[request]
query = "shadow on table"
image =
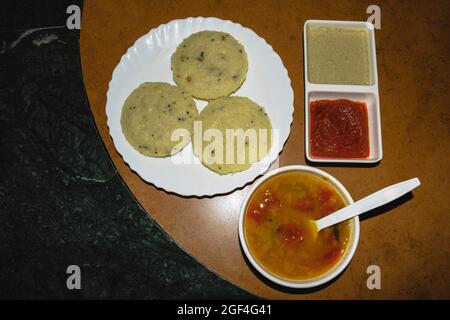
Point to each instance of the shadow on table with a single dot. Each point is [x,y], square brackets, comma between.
[387,207]
[340,165]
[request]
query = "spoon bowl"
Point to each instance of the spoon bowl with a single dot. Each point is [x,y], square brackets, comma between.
[326,276]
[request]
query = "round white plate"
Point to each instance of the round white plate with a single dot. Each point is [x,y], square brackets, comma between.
[267,84]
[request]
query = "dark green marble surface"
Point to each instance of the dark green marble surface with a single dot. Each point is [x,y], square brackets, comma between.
[61,200]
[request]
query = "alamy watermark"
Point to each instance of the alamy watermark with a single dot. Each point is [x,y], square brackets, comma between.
[234,146]
[374,280]
[375,17]
[74,20]
[74,279]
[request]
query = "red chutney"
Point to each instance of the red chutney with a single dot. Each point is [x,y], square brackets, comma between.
[339,129]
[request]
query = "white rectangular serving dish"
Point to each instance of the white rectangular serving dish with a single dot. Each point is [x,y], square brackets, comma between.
[364,93]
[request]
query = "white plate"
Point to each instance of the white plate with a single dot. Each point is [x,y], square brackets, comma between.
[267,83]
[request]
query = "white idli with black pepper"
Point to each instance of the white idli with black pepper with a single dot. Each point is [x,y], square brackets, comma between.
[151,113]
[209,64]
[233,114]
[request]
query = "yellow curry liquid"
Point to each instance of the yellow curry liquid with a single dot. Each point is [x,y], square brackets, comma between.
[277,230]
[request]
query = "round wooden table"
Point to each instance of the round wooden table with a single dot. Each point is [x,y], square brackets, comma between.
[411,242]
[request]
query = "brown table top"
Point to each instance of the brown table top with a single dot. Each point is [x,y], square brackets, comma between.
[411,242]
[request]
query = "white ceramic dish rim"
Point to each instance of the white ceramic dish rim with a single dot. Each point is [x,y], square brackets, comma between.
[331,88]
[226,184]
[332,273]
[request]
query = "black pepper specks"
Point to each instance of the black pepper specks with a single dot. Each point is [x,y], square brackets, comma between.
[201,57]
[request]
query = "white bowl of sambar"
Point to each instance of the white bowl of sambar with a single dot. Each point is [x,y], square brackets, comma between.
[276,235]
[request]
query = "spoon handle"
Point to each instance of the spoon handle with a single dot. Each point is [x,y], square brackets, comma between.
[368,203]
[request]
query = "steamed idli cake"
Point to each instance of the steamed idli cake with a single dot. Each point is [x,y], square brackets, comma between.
[233,113]
[151,113]
[209,65]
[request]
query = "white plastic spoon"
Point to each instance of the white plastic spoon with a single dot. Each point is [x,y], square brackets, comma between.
[368,203]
